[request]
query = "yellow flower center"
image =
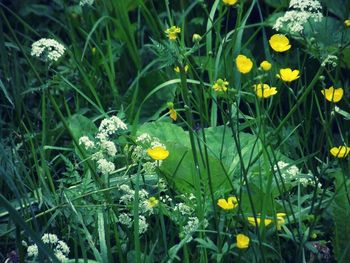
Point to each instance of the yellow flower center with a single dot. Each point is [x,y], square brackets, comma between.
[172,32]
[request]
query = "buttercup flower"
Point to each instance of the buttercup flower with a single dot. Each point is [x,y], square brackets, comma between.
[231,203]
[242,241]
[177,69]
[244,64]
[172,32]
[340,152]
[158,153]
[347,22]
[279,43]
[229,2]
[264,90]
[220,85]
[172,112]
[251,221]
[152,201]
[280,220]
[288,75]
[333,94]
[265,65]
[196,38]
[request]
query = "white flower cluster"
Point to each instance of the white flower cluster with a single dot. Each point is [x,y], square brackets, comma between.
[183,209]
[103,150]
[291,173]
[331,60]
[86,142]
[145,208]
[47,49]
[86,2]
[110,126]
[192,226]
[60,248]
[105,167]
[299,13]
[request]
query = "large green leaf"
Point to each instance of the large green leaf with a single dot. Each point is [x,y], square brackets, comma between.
[341,215]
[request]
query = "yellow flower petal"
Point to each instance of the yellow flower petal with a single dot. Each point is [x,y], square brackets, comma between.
[332,94]
[288,75]
[244,64]
[172,32]
[229,2]
[251,221]
[340,152]
[265,65]
[242,241]
[173,114]
[220,85]
[347,22]
[279,43]
[228,204]
[158,153]
[264,90]
[152,201]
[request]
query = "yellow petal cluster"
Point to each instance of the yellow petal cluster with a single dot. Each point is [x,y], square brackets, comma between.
[177,69]
[158,153]
[228,204]
[173,114]
[333,94]
[347,22]
[152,201]
[172,32]
[244,64]
[242,241]
[264,90]
[220,85]
[229,2]
[279,43]
[340,152]
[288,75]
[251,221]
[265,65]
[280,220]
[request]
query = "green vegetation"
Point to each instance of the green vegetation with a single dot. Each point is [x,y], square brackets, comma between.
[174,131]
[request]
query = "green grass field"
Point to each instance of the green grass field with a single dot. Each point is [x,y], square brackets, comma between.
[174,131]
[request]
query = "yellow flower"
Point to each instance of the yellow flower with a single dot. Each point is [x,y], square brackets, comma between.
[177,69]
[264,90]
[172,32]
[220,85]
[340,152]
[333,94]
[152,201]
[279,43]
[288,75]
[229,2]
[196,38]
[347,22]
[244,64]
[231,203]
[280,220]
[173,114]
[158,153]
[265,65]
[251,221]
[242,241]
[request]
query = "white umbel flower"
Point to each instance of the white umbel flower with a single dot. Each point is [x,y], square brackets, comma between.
[109,148]
[86,2]
[47,49]
[300,12]
[49,238]
[143,225]
[105,167]
[32,251]
[86,142]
